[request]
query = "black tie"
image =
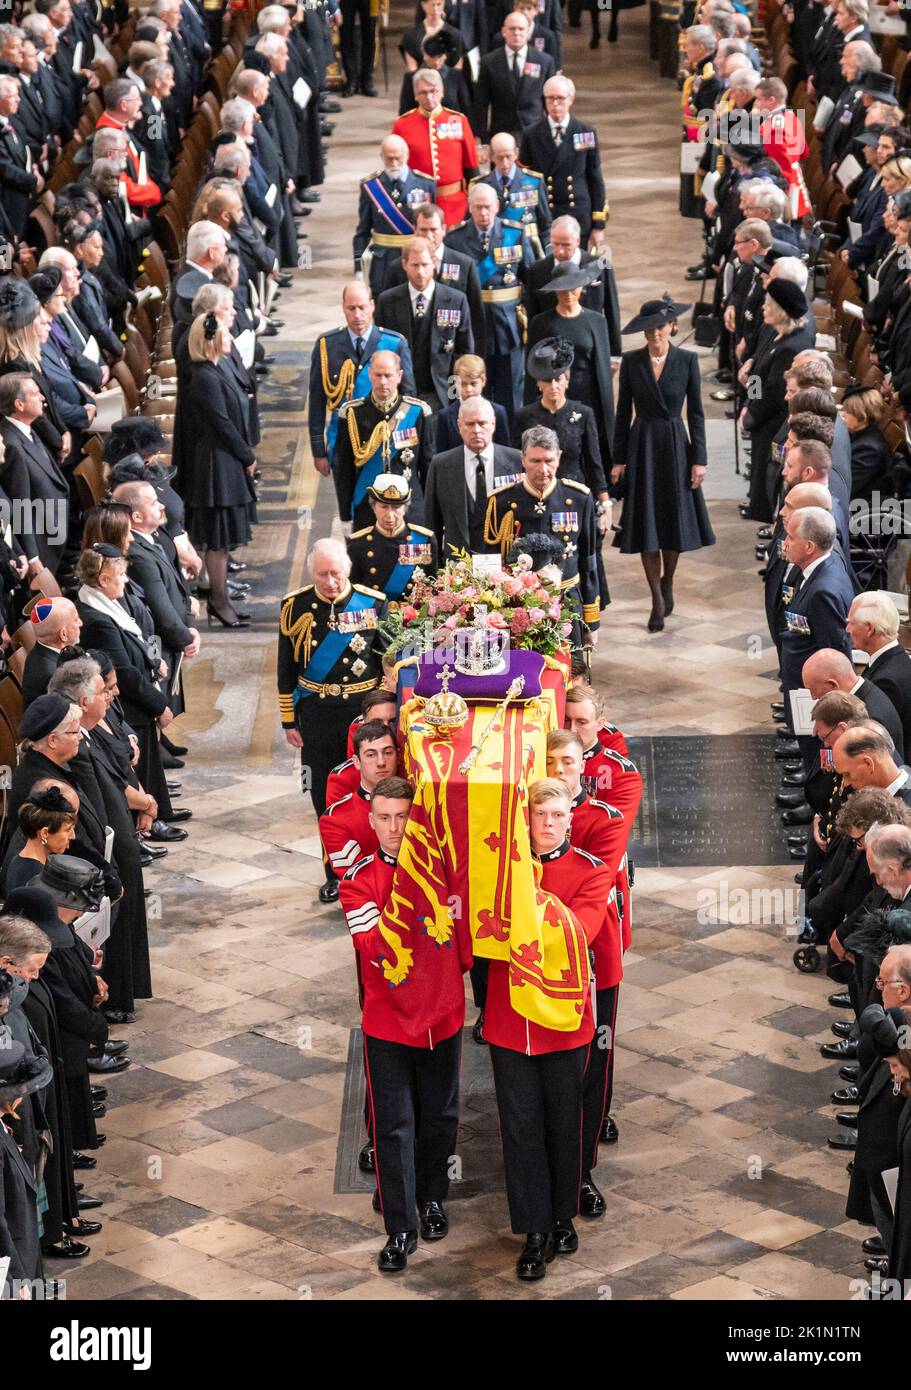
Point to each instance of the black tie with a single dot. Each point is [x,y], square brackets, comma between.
[480,494]
[515,69]
[359,348]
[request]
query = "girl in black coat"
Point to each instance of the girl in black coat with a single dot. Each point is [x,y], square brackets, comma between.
[660,461]
[218,486]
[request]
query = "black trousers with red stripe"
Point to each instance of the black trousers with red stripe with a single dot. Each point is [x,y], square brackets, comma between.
[599,1075]
[540,1104]
[414,1101]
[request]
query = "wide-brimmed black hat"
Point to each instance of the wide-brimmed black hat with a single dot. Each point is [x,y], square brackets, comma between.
[71,882]
[45,283]
[880,85]
[747,151]
[550,358]
[655,313]
[139,434]
[20,1073]
[869,135]
[18,304]
[568,276]
[789,297]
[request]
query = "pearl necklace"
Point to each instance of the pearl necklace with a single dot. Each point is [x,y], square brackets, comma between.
[657,361]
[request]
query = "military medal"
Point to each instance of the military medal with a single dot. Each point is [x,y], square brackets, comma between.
[407,456]
[358,667]
[357,643]
[509,278]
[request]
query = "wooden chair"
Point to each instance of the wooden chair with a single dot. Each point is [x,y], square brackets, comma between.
[15,665]
[90,481]
[24,637]
[11,709]
[121,373]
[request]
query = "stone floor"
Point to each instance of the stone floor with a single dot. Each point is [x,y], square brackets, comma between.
[221,1170]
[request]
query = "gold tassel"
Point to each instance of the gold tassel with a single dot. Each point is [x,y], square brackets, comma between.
[342,388]
[300,634]
[380,435]
[501,535]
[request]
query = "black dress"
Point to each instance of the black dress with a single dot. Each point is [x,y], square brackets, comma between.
[412,40]
[660,509]
[590,377]
[19,872]
[217,489]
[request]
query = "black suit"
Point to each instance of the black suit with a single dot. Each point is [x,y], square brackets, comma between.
[18,1215]
[880,707]
[441,343]
[447,502]
[166,596]
[31,476]
[459,272]
[16,180]
[891,672]
[512,106]
[40,665]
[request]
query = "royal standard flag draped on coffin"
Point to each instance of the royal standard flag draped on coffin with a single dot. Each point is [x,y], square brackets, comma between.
[466,869]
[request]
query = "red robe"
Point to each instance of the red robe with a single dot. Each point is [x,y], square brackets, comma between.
[140,196]
[344,779]
[582,884]
[345,831]
[442,148]
[364,892]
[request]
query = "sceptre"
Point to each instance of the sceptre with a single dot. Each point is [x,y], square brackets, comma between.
[515,689]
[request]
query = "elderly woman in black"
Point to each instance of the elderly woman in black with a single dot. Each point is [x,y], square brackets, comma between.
[590,373]
[218,486]
[660,461]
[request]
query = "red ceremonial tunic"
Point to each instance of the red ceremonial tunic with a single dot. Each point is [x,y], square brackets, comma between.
[601,830]
[783,140]
[345,831]
[345,778]
[364,892]
[609,736]
[582,884]
[442,148]
[140,196]
[613,778]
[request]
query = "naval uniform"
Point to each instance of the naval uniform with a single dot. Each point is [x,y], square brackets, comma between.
[412,1079]
[385,221]
[565,510]
[523,198]
[340,372]
[374,439]
[571,170]
[326,661]
[392,563]
[538,1072]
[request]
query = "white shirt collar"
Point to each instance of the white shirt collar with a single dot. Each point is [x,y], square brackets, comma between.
[556,125]
[202,270]
[856,686]
[471,463]
[897,782]
[428,294]
[886,648]
[815,566]
[20,425]
[513,54]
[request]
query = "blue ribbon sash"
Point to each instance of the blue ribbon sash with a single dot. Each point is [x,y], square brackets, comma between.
[334,644]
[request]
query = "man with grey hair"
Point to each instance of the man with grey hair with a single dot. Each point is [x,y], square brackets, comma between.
[460,481]
[544,504]
[565,150]
[207,246]
[441,141]
[18,181]
[872,627]
[328,657]
[818,610]
[388,203]
[846,120]
[566,249]
[503,257]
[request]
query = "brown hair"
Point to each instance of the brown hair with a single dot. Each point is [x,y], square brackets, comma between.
[548,789]
[563,738]
[90,564]
[108,523]
[838,707]
[871,806]
[868,406]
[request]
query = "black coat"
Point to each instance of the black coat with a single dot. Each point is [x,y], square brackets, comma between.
[767,410]
[143,700]
[40,665]
[69,976]
[572,171]
[877,1142]
[18,1215]
[30,475]
[217,476]
[511,106]
[871,462]
[590,377]
[459,272]
[39,1009]
[660,509]
[393,310]
[900,1254]
[891,672]
[881,708]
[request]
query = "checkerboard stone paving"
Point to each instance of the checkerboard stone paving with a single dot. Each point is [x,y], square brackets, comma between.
[228,1161]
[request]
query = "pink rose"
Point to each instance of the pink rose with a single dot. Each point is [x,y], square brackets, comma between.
[567,629]
[496,619]
[469,593]
[530,581]
[554,609]
[451,622]
[536,615]
[512,585]
[409,613]
[518,622]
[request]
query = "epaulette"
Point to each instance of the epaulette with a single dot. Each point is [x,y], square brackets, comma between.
[422,530]
[534,172]
[368,177]
[590,857]
[415,400]
[340,767]
[294,592]
[619,758]
[346,405]
[330,810]
[458,227]
[356,535]
[359,865]
[570,482]
[374,593]
[593,801]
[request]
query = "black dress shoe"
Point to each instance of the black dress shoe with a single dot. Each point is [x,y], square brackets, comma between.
[791,799]
[849,1073]
[702,273]
[839,1050]
[369,90]
[846,1140]
[66,1249]
[366,1159]
[84,1161]
[161,831]
[99,1092]
[177,750]
[394,1255]
[789,766]
[801,814]
[609,1131]
[847,1118]
[797,852]
[787,748]
[82,1228]
[794,779]
[776,718]
[171,761]
[99,1110]
[100,1141]
[566,1242]
[798,837]
[433,1221]
[536,1255]
[148,855]
[873,1245]
[591,1200]
[118,1016]
[849,1166]
[777,707]
[89,1203]
[329,106]
[115,1047]
[840,1001]
[842,1028]
[310,196]
[846,1095]
[764,533]
[178,813]
[329,891]
[877,1266]
[724,375]
[108,1065]
[173,787]
[782,733]
[477,1032]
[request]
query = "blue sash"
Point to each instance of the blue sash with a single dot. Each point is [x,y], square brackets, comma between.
[401,575]
[388,342]
[374,466]
[385,205]
[488,268]
[331,648]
